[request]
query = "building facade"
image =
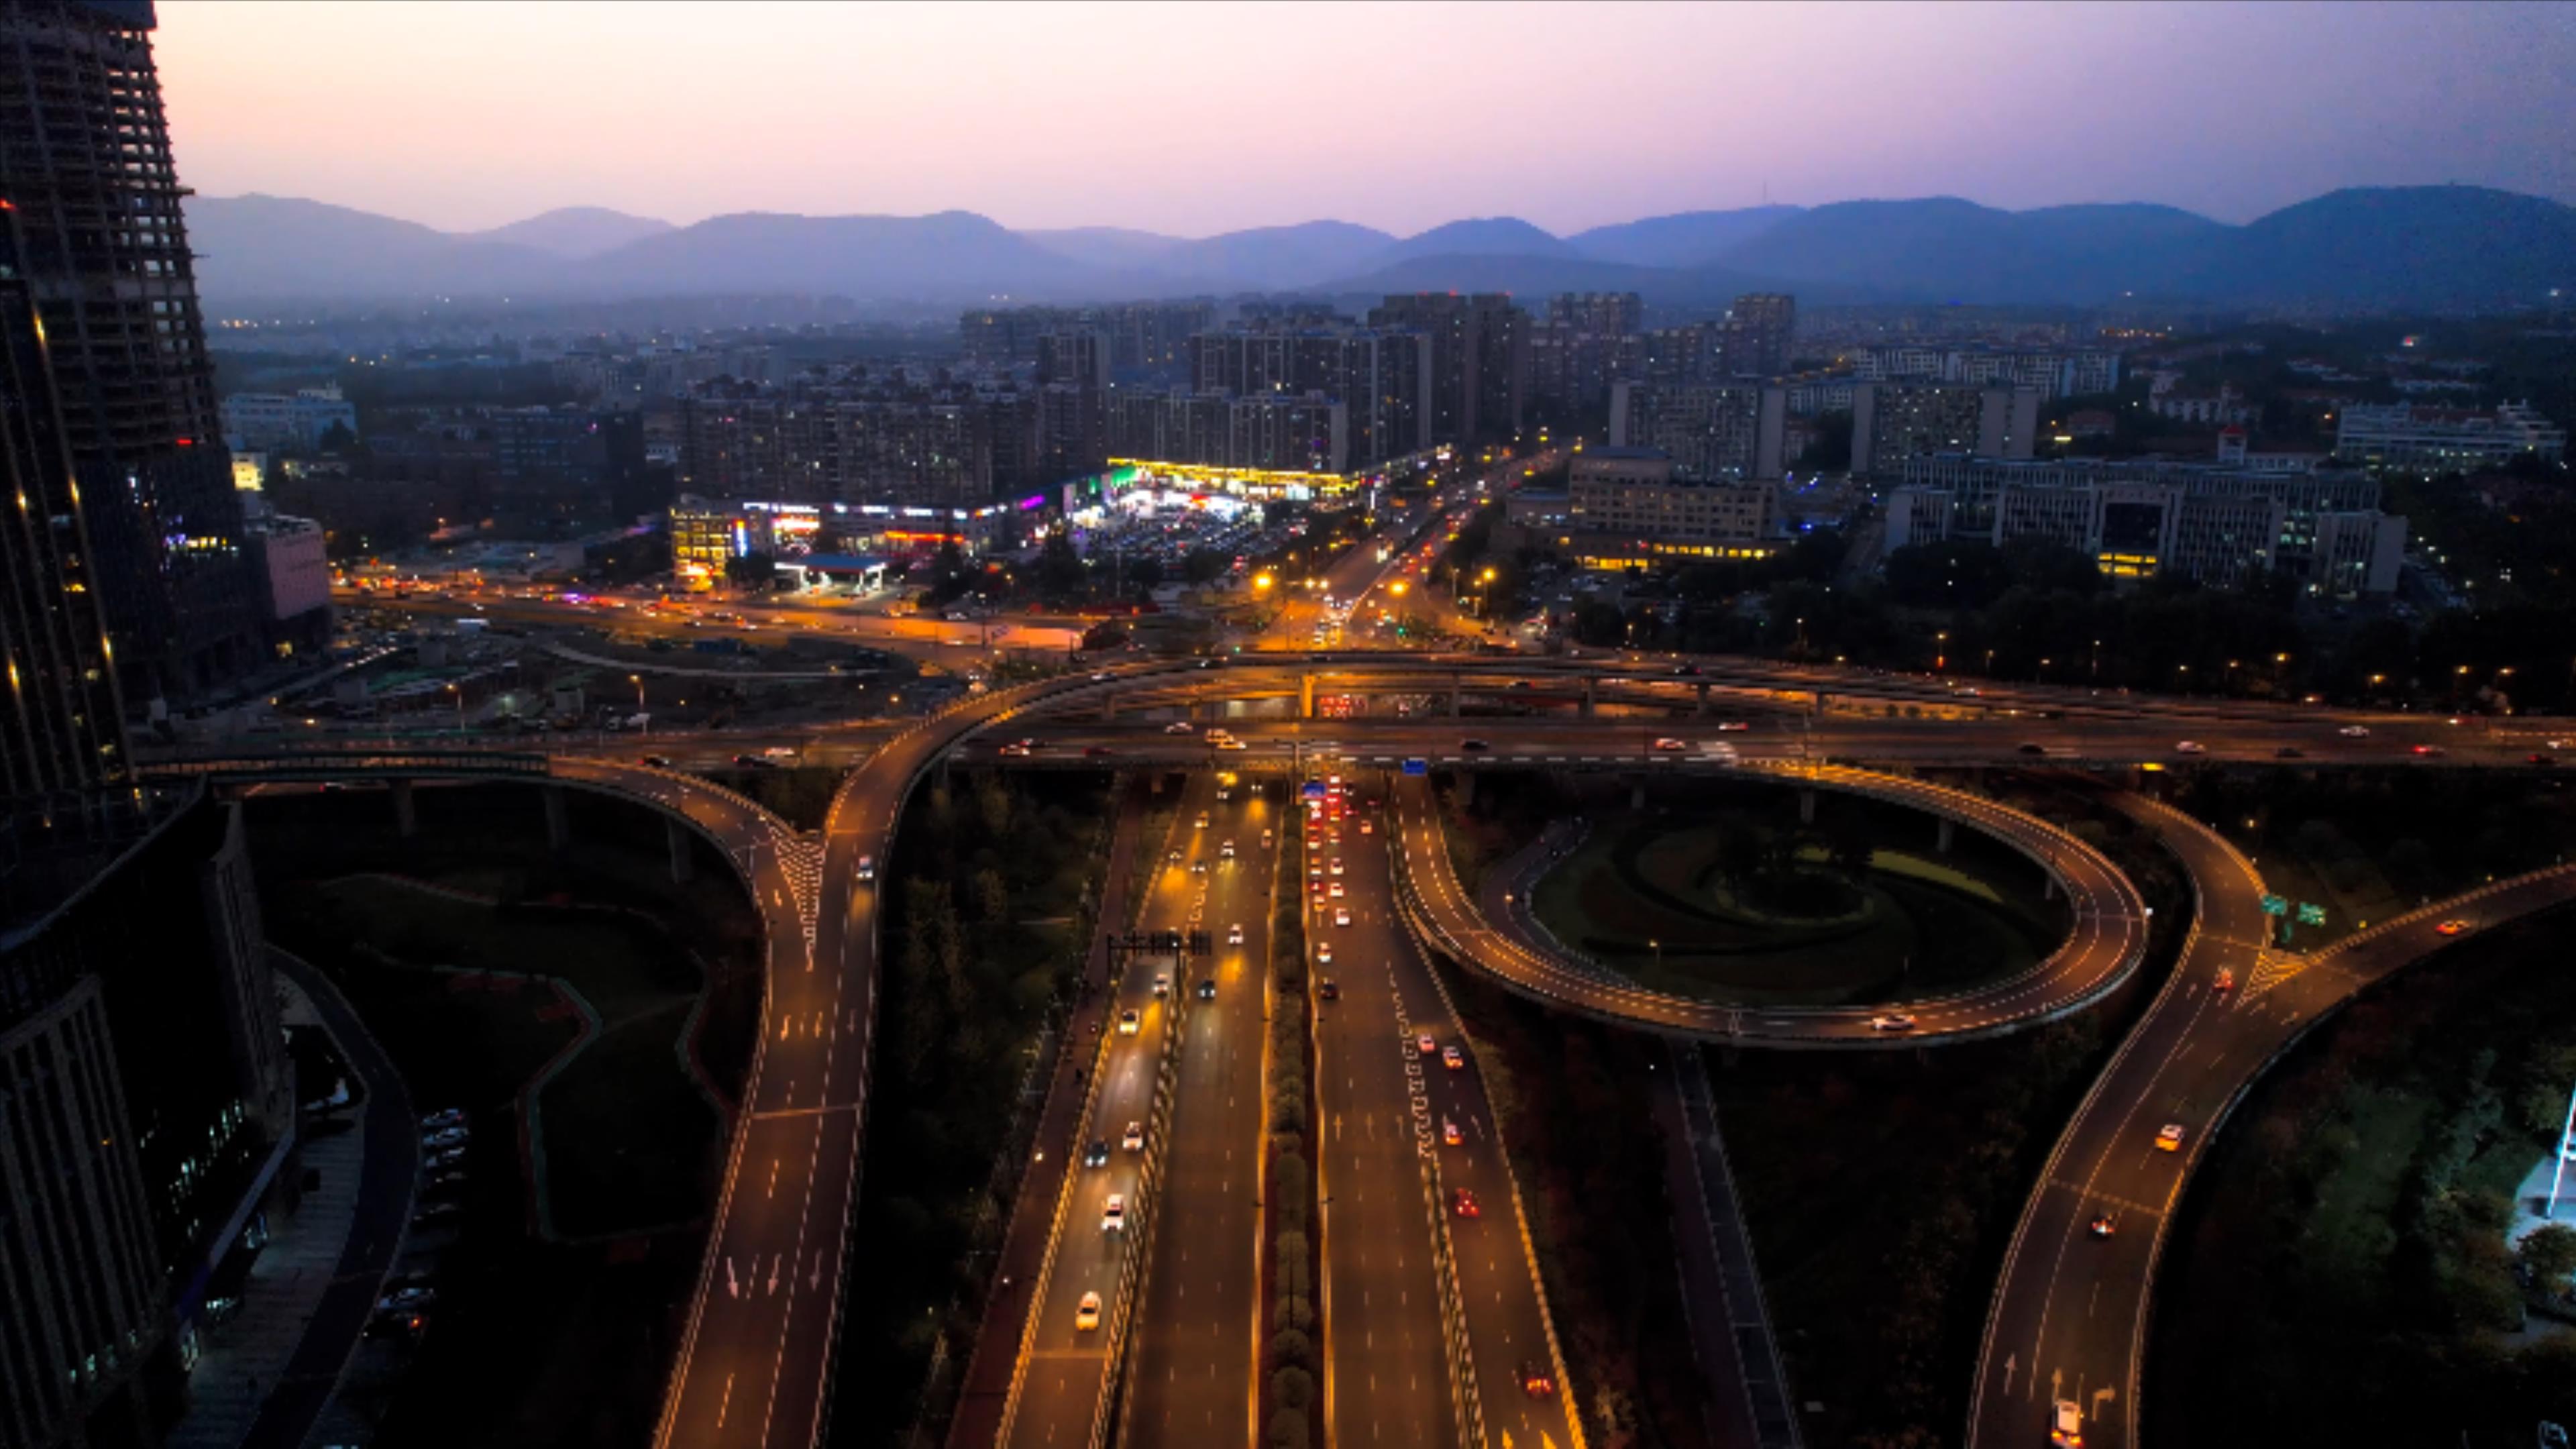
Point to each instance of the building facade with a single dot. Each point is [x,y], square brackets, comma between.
[2434,439]
[86,167]
[1710,431]
[1479,358]
[300,419]
[1894,421]
[1381,376]
[1267,432]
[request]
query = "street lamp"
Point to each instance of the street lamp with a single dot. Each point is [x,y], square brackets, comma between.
[638,681]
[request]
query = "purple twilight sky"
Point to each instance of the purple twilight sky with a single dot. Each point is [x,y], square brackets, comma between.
[1198,119]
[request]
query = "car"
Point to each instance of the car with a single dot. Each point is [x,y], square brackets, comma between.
[406,1298]
[1129,1023]
[2355,732]
[2066,1424]
[1670,745]
[1207,988]
[445,1137]
[1323,953]
[1134,1138]
[1452,1058]
[2169,1137]
[1098,752]
[1198,867]
[755,762]
[1463,1203]
[2452,927]
[1894,1021]
[1234,934]
[1427,1045]
[1201,823]
[1086,1314]
[1162,984]
[2540,759]
[2428,751]
[1328,989]
[1232,744]
[1537,1382]
[1016,751]
[443,1117]
[659,762]
[1314,869]
[1367,829]
[1179,727]
[1097,1154]
[1337,890]
[1172,857]
[1337,865]
[1341,918]
[2027,748]
[2224,981]
[2103,1225]
[1473,745]
[1113,1213]
[437,1160]
[1449,1132]
[1733,726]
[779,752]
[867,867]
[2190,747]
[1266,839]
[437,1212]
[1100,676]
[2289,752]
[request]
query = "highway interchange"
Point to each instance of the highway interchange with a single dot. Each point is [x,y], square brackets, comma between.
[755,1365]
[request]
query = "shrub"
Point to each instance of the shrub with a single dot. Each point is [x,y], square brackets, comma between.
[1290,1348]
[1292,1388]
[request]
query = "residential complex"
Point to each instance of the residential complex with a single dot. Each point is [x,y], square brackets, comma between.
[1895,421]
[2213,522]
[2055,372]
[1382,377]
[300,419]
[1709,431]
[2436,439]
[1480,360]
[1266,432]
[1625,508]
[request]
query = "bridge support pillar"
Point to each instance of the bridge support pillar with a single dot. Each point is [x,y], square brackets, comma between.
[1466,788]
[1305,696]
[1591,694]
[1108,705]
[683,858]
[1806,807]
[2048,885]
[1948,833]
[1457,694]
[406,819]
[558,823]
[1637,796]
[1701,689]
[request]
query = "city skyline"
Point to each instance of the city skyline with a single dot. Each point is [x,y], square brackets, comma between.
[2199,107]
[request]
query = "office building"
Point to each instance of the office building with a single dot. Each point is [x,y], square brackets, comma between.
[1480,359]
[62,723]
[1626,508]
[146,1105]
[1142,335]
[2056,372]
[86,168]
[1710,431]
[2141,518]
[1894,421]
[2437,440]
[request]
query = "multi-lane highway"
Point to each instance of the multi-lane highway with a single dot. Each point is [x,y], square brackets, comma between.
[2106,941]
[2069,1317]
[1199,1328]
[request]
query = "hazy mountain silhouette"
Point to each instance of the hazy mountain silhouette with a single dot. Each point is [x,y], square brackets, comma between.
[1685,239]
[2442,246]
[574,231]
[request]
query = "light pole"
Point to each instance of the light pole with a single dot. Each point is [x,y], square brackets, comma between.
[638,681]
[460,707]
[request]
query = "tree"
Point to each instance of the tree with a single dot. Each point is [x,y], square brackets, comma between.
[751,571]
[337,438]
[1830,451]
[2550,1253]
[1060,573]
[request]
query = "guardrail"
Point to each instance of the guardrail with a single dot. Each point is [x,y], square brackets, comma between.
[1137,1261]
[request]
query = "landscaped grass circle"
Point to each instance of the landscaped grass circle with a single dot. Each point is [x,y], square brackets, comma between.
[1728,896]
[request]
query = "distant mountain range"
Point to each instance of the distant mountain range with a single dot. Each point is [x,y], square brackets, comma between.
[2431,247]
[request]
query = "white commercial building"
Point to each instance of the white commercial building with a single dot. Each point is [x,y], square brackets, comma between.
[2433,439]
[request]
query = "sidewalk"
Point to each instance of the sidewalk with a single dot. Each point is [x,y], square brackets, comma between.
[986,1387]
[241,1360]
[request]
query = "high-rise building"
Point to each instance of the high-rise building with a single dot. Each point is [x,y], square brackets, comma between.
[1076,355]
[1710,431]
[2433,439]
[1480,358]
[85,164]
[1382,376]
[1266,432]
[62,727]
[1894,421]
[1753,341]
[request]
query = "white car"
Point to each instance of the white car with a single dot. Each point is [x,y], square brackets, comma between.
[2355,732]
[2190,747]
[1134,1140]
[1337,865]
[1113,1214]
[1177,727]
[1129,1023]
[1337,890]
[1341,918]
[1234,934]
[1897,1022]
[1323,953]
